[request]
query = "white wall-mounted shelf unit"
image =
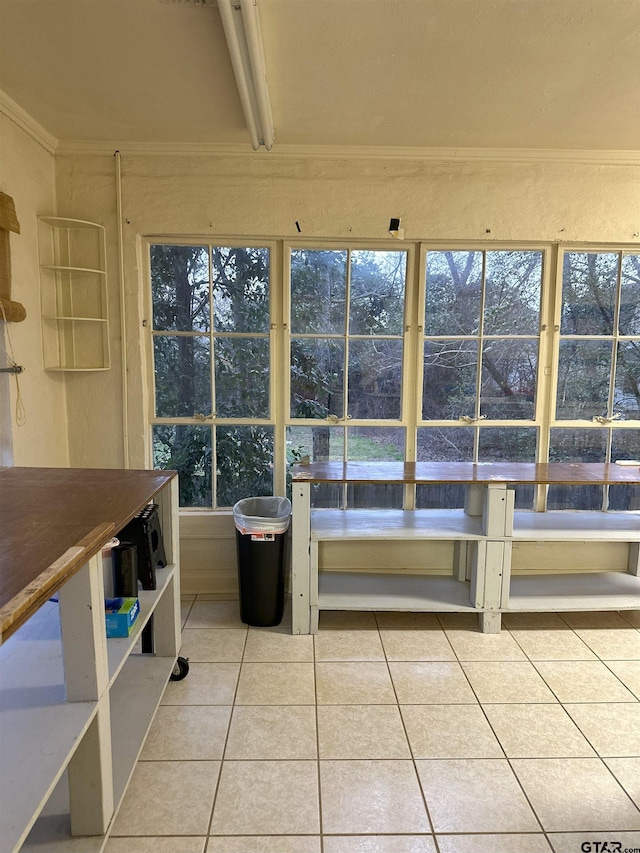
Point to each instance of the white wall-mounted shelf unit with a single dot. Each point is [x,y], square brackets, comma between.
[73,294]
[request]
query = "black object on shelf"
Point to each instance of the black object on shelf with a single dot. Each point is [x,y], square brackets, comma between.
[145,533]
[125,570]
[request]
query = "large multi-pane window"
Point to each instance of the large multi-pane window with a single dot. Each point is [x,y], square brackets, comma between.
[481,341]
[340,352]
[212,366]
[347,316]
[598,373]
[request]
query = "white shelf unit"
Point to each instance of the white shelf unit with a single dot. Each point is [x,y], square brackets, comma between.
[73,294]
[56,748]
[398,587]
[462,582]
[485,536]
[590,589]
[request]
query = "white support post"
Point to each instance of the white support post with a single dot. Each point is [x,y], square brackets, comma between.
[300,558]
[91,780]
[496,593]
[634,559]
[86,673]
[169,522]
[474,499]
[494,510]
[460,551]
[314,617]
[166,623]
[509,509]
[84,633]
[490,581]
[477,573]
[490,622]
[167,620]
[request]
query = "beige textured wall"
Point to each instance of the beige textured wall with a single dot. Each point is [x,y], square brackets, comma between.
[27,175]
[263,195]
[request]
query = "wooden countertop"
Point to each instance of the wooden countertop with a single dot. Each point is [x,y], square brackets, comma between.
[570,473]
[52,520]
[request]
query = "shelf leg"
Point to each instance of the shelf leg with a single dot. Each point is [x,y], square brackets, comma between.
[634,559]
[490,621]
[495,510]
[84,634]
[314,620]
[166,623]
[474,499]
[460,552]
[300,559]
[91,777]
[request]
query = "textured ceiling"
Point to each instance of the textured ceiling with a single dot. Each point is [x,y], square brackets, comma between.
[544,74]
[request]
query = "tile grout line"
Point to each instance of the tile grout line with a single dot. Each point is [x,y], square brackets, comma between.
[226,741]
[404,728]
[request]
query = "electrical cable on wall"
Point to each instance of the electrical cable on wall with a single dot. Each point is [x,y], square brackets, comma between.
[16,369]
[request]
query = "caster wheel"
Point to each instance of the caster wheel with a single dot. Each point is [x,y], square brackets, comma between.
[180,669]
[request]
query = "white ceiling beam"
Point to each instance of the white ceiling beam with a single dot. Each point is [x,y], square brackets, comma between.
[244,39]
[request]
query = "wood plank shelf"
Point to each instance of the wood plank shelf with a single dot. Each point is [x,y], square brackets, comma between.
[375,591]
[327,524]
[584,526]
[572,592]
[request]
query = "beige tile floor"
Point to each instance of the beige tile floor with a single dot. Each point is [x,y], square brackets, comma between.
[393,733]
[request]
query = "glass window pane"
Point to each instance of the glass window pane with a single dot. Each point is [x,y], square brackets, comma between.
[625,445]
[375,444]
[589,284]
[437,444]
[445,444]
[453,287]
[180,288]
[320,444]
[626,393]
[242,377]
[583,379]
[377,293]
[317,378]
[186,449]
[509,370]
[630,296]
[375,378]
[244,463]
[507,444]
[512,293]
[510,444]
[577,445]
[240,289]
[182,375]
[318,291]
[449,379]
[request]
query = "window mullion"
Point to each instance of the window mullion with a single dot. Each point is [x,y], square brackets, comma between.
[212,349]
[347,315]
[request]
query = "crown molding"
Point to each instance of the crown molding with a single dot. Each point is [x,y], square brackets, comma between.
[21,118]
[361,152]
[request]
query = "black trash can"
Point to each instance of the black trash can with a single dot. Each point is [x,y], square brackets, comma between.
[261,538]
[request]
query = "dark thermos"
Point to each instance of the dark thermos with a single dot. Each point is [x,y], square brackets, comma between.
[125,570]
